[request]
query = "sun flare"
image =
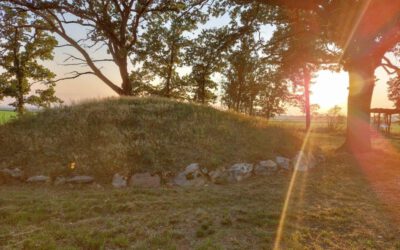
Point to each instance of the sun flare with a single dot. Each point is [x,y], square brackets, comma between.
[330,89]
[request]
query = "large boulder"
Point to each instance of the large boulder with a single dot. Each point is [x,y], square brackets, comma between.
[283,162]
[265,167]
[145,180]
[239,171]
[80,179]
[191,176]
[119,181]
[38,179]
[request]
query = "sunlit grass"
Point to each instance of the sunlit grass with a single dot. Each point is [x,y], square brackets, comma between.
[333,206]
[6,116]
[289,194]
[137,135]
[338,205]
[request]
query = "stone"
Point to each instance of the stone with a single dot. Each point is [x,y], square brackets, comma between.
[7,179]
[218,176]
[240,171]
[265,167]
[283,162]
[303,161]
[194,167]
[38,179]
[80,179]
[145,180]
[119,181]
[182,181]
[15,173]
[191,176]
[60,181]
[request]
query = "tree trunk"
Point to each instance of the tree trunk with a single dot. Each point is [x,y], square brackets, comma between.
[170,71]
[127,89]
[307,79]
[19,75]
[203,93]
[361,87]
[167,92]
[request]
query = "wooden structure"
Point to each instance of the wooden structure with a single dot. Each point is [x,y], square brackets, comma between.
[382,119]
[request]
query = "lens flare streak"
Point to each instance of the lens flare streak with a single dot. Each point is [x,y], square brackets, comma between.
[289,192]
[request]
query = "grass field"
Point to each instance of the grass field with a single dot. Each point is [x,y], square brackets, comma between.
[344,203]
[339,205]
[6,116]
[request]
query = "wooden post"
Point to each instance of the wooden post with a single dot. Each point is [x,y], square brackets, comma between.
[379,122]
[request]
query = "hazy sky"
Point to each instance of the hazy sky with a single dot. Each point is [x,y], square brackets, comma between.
[329,89]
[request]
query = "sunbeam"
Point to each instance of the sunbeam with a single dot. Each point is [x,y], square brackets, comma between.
[289,192]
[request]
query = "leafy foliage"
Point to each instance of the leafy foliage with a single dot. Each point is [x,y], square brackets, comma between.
[394,91]
[205,58]
[21,48]
[251,86]
[334,118]
[163,46]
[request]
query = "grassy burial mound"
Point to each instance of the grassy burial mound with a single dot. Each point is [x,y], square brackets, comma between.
[127,135]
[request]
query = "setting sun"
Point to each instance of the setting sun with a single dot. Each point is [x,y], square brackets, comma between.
[330,89]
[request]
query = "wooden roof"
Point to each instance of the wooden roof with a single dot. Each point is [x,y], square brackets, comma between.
[385,111]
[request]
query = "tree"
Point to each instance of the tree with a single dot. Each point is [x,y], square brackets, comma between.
[204,56]
[364,35]
[251,86]
[314,109]
[21,47]
[394,81]
[334,118]
[274,94]
[117,25]
[163,51]
[363,32]
[394,91]
[298,50]
[242,84]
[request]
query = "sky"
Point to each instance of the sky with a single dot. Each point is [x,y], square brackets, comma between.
[329,89]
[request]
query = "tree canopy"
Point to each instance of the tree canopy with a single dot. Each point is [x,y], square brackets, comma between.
[21,46]
[151,41]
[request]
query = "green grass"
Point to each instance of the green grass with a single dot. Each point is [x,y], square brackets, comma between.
[332,207]
[6,116]
[344,203]
[133,135]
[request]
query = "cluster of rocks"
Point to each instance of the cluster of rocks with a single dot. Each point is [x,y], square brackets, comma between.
[145,180]
[17,174]
[193,175]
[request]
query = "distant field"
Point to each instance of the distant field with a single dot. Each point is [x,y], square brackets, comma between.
[6,115]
